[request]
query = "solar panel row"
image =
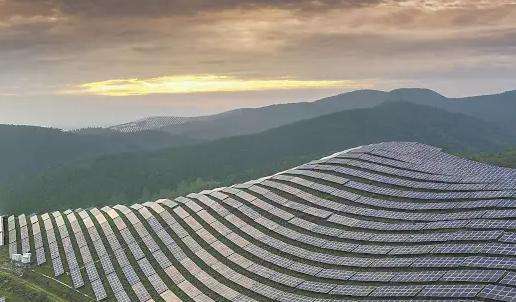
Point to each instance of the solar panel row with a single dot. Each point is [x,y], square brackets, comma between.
[395,221]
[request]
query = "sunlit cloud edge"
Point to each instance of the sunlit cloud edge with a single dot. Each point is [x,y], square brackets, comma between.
[208,83]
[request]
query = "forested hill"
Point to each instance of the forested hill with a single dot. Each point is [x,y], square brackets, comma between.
[496,108]
[26,149]
[142,175]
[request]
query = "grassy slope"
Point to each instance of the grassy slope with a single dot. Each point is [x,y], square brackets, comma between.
[129,177]
[33,286]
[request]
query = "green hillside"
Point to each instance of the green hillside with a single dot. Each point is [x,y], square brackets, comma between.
[141,175]
[25,149]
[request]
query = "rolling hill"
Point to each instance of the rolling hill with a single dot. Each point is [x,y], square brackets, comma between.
[170,172]
[394,221]
[497,108]
[25,150]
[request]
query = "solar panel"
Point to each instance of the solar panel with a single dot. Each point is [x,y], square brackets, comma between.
[509,279]
[490,262]
[498,292]
[313,286]
[417,276]
[450,291]
[40,256]
[189,289]
[142,293]
[473,276]
[146,267]
[118,290]
[390,221]
[157,283]
[58,266]
[438,262]
[77,280]
[353,290]
[98,290]
[396,291]
[91,271]
[372,276]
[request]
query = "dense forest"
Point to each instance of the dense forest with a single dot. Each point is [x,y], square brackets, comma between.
[129,177]
[27,149]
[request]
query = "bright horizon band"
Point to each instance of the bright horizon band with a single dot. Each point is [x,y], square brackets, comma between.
[202,83]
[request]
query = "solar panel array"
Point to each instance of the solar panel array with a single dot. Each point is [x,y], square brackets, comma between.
[1,230]
[156,123]
[391,221]
[12,233]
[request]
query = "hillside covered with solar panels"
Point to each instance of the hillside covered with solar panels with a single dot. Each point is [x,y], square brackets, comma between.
[389,221]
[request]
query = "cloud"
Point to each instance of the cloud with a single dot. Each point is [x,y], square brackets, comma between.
[161,8]
[58,43]
[164,8]
[202,84]
[437,5]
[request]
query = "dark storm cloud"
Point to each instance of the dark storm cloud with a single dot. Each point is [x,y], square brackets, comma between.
[177,7]
[161,8]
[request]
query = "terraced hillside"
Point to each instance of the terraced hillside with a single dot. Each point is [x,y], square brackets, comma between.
[391,221]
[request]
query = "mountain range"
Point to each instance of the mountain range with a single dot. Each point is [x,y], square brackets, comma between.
[497,108]
[169,156]
[167,172]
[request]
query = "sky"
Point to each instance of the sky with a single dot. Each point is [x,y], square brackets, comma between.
[78,63]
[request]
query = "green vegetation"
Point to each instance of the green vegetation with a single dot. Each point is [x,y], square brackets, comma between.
[44,169]
[130,177]
[14,288]
[32,285]
[506,158]
[25,150]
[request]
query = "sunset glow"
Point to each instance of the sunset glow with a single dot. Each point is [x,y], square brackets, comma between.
[73,60]
[202,83]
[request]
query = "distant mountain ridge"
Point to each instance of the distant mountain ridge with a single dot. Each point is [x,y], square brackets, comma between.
[131,176]
[496,108]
